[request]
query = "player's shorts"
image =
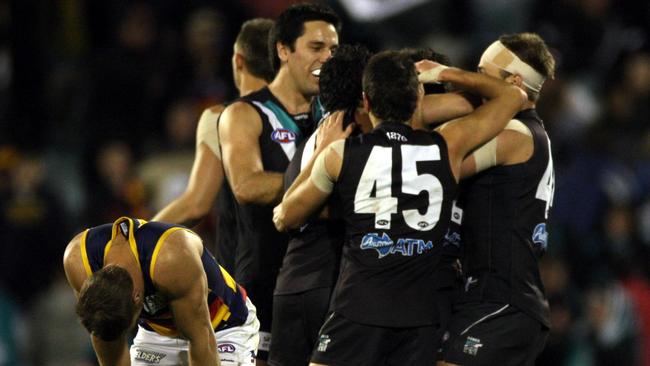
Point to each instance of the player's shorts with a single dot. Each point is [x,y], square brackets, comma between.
[297,319]
[237,346]
[342,342]
[493,334]
[262,295]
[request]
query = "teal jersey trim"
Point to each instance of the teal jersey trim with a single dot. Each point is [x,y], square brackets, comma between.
[285,119]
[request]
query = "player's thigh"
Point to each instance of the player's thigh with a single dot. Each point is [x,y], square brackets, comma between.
[489,334]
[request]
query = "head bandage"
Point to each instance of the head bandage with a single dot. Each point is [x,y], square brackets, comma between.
[498,55]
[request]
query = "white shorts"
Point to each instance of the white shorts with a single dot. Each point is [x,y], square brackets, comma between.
[237,346]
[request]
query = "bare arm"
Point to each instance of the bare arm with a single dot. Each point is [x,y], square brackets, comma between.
[239,130]
[329,131]
[466,133]
[204,184]
[179,274]
[438,108]
[113,353]
[508,148]
[297,206]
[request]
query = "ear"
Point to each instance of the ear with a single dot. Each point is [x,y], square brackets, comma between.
[283,51]
[239,61]
[515,79]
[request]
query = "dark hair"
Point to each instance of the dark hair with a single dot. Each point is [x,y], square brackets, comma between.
[340,78]
[391,86]
[105,306]
[531,49]
[427,53]
[252,41]
[290,26]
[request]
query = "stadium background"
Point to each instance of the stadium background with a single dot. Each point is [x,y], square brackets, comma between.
[99,102]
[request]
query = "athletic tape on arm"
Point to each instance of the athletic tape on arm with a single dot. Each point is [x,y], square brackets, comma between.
[206,132]
[319,175]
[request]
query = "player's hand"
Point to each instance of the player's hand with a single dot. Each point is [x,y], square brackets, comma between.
[277,218]
[332,129]
[429,71]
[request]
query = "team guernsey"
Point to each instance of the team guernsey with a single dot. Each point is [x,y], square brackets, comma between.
[226,300]
[396,213]
[503,233]
[313,252]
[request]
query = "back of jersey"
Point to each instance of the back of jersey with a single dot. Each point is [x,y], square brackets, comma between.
[396,188]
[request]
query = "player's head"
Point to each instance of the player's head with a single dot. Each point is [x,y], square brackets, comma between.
[340,80]
[302,39]
[427,53]
[391,90]
[251,50]
[106,305]
[522,59]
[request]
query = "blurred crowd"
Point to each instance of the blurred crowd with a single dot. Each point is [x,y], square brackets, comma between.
[99,103]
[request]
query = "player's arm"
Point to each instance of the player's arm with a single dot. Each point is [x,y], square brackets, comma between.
[329,131]
[437,108]
[113,353]
[513,145]
[310,194]
[239,129]
[466,133]
[179,274]
[205,179]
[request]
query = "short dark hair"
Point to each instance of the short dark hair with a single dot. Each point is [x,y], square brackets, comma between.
[105,306]
[531,49]
[290,26]
[427,53]
[391,86]
[340,78]
[252,41]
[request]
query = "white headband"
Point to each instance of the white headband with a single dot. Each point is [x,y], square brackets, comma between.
[531,78]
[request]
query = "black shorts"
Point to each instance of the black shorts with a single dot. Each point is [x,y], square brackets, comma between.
[261,296]
[297,318]
[342,342]
[493,334]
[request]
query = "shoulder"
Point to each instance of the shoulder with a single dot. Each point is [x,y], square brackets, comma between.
[178,258]
[237,112]
[73,262]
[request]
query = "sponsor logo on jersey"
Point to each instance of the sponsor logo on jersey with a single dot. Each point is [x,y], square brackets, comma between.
[283,136]
[154,303]
[384,245]
[226,348]
[148,356]
[451,238]
[472,345]
[540,236]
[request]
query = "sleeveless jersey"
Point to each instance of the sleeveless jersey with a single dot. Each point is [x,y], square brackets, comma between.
[503,231]
[226,300]
[260,246]
[396,189]
[313,253]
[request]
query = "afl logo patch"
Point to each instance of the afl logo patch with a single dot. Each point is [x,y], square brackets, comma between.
[283,136]
[226,348]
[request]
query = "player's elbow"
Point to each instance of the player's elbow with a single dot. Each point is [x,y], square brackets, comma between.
[243,195]
[517,95]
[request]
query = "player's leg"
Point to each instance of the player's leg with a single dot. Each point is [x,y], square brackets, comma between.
[237,346]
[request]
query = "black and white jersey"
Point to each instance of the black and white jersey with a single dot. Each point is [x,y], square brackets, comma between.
[396,189]
[260,247]
[503,233]
[314,251]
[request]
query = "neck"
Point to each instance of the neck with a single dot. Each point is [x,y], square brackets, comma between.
[250,83]
[285,90]
[528,105]
[120,254]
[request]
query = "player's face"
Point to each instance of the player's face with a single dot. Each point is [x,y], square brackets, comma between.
[490,70]
[311,50]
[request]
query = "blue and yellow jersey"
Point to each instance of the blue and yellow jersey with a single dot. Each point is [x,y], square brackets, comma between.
[226,299]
